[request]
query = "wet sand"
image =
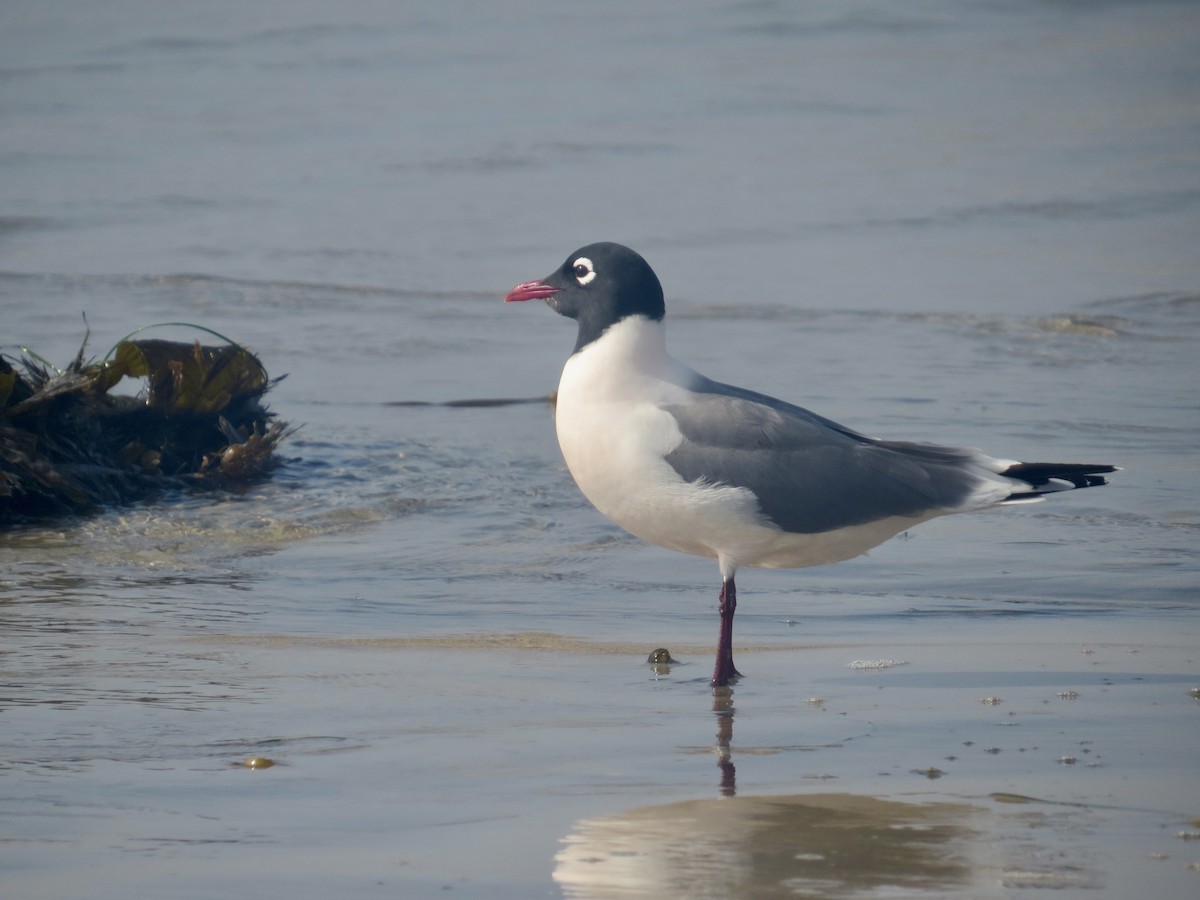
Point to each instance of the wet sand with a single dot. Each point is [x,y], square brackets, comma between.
[982,764]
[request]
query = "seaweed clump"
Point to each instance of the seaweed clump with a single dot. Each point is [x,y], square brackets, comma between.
[68,445]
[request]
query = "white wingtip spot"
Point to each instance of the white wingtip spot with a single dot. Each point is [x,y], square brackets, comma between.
[1058,484]
[999,466]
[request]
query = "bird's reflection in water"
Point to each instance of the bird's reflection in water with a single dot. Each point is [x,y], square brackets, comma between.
[723,710]
[660,662]
[825,845]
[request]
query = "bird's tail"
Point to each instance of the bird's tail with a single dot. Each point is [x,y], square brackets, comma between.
[1047,478]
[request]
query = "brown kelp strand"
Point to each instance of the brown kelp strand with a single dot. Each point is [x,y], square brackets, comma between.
[70,445]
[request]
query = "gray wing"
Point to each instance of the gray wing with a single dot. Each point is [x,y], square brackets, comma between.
[809,473]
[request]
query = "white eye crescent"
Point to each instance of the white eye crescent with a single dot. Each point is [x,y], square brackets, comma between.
[583,270]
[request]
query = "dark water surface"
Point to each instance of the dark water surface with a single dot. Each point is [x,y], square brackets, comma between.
[972,223]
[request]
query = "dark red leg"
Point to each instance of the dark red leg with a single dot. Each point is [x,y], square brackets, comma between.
[724,669]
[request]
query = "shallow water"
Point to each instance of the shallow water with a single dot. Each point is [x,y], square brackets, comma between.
[973,225]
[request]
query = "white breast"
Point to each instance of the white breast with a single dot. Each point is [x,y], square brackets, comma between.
[614,435]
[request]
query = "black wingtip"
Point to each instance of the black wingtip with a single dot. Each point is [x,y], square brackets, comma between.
[1081,475]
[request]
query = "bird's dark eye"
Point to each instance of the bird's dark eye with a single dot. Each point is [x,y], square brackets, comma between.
[583,270]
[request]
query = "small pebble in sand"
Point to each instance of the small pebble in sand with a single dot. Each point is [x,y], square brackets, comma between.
[258,762]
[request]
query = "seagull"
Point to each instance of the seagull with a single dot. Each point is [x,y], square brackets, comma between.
[706,468]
